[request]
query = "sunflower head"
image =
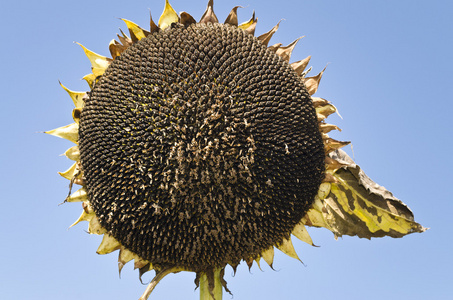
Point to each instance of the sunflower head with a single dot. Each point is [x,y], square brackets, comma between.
[199,146]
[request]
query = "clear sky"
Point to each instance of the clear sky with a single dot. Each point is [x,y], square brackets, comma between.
[389,74]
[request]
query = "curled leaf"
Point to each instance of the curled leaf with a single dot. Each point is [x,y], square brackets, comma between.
[358,206]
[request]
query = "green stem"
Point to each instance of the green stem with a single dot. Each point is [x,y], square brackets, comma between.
[204,286]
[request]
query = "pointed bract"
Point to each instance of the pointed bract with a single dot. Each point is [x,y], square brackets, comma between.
[78,196]
[73,153]
[186,19]
[301,233]
[325,128]
[152,26]
[331,144]
[287,247]
[209,15]
[98,62]
[124,39]
[232,18]
[90,79]
[312,83]
[124,257]
[116,48]
[168,16]
[266,37]
[94,227]
[323,111]
[285,52]
[84,217]
[137,33]
[268,256]
[299,66]
[274,47]
[70,173]
[77,97]
[69,132]
[108,245]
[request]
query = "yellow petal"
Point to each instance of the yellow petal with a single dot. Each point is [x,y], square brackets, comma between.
[251,28]
[78,196]
[287,247]
[247,24]
[168,16]
[73,153]
[97,61]
[301,233]
[90,78]
[285,52]
[69,132]
[108,245]
[84,217]
[95,227]
[71,172]
[77,97]
[124,257]
[137,33]
[268,256]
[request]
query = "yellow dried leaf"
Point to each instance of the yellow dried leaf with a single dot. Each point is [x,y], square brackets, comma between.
[357,206]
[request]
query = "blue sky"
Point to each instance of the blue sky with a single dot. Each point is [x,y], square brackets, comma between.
[389,74]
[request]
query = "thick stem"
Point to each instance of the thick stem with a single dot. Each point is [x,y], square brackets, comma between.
[205,292]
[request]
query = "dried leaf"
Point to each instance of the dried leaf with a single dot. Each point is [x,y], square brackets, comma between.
[357,206]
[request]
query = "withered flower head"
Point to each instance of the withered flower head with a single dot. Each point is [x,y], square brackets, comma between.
[199,146]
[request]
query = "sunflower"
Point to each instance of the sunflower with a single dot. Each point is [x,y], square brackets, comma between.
[199,146]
